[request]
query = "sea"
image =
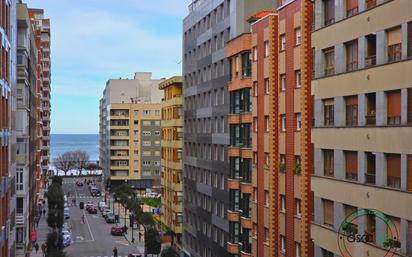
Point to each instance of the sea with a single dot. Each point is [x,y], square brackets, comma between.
[61,143]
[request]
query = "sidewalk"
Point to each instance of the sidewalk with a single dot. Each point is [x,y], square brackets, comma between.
[42,231]
[138,244]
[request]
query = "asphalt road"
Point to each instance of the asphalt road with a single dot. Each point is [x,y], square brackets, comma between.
[93,238]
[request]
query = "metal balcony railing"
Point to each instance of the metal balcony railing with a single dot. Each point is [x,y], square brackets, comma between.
[370,178]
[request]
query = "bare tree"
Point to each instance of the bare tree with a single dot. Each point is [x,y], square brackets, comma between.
[65,162]
[92,167]
[82,160]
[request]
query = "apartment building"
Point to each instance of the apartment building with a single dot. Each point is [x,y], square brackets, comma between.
[207,28]
[8,140]
[171,153]
[42,34]
[362,135]
[26,126]
[130,132]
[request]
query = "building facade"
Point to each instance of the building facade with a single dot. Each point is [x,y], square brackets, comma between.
[8,140]
[42,34]
[240,149]
[362,135]
[26,126]
[172,162]
[207,28]
[130,132]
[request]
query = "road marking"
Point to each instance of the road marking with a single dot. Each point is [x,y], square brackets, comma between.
[88,225]
[80,238]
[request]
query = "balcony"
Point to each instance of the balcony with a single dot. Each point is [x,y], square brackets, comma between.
[370,178]
[232,248]
[394,182]
[370,61]
[370,119]
[370,4]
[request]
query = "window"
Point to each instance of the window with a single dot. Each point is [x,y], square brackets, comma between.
[236,66]
[136,113]
[266,44]
[352,55]
[394,107]
[329,57]
[393,164]
[255,53]
[282,203]
[409,39]
[157,112]
[157,133]
[283,119]
[246,65]
[298,79]
[328,112]
[297,207]
[255,88]
[146,163]
[147,123]
[282,42]
[329,11]
[297,36]
[283,82]
[147,133]
[351,7]
[267,86]
[351,165]
[298,122]
[298,249]
[327,212]
[267,123]
[326,253]
[283,244]
[351,110]
[328,163]
[267,198]
[146,112]
[147,143]
[394,44]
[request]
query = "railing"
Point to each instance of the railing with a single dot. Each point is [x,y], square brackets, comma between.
[351,66]
[351,176]
[329,70]
[370,61]
[370,4]
[394,120]
[352,12]
[370,178]
[394,182]
[330,21]
[370,119]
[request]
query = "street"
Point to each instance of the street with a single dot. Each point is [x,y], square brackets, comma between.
[92,239]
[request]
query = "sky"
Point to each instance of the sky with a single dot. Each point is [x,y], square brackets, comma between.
[95,40]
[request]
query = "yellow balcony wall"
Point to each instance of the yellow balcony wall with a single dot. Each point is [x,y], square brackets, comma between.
[172,123]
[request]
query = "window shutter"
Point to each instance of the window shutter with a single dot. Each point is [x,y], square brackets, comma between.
[328,212]
[329,10]
[394,103]
[351,100]
[394,36]
[352,162]
[351,4]
[393,162]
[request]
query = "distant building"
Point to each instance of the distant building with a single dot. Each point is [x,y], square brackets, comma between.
[172,144]
[130,132]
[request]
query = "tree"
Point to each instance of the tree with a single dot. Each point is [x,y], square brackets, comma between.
[169,252]
[91,166]
[81,160]
[65,162]
[55,198]
[152,241]
[55,245]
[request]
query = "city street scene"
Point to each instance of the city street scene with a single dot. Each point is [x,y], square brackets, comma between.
[206,128]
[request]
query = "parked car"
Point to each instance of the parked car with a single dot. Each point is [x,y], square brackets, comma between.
[88,205]
[66,213]
[79,183]
[105,211]
[92,210]
[110,217]
[66,227]
[67,240]
[101,204]
[134,255]
[116,231]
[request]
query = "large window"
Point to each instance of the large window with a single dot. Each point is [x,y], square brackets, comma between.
[409,39]
[329,10]
[328,112]
[394,107]
[351,55]
[394,44]
[240,101]
[351,110]
[240,135]
[393,164]
[328,163]
[327,213]
[246,65]
[329,57]
[351,165]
